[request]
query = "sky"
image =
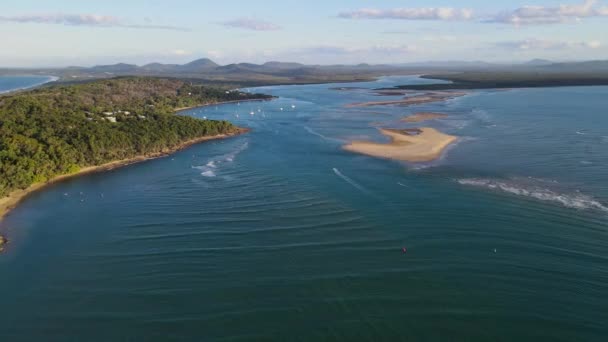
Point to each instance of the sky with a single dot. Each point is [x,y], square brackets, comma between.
[38,33]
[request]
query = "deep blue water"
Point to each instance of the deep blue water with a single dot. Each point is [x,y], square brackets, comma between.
[281,235]
[8,83]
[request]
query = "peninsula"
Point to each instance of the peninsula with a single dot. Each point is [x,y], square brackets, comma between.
[55,132]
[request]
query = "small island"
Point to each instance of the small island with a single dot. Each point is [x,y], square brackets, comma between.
[411,145]
[55,132]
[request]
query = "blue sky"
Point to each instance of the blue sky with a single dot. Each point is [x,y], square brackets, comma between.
[73,32]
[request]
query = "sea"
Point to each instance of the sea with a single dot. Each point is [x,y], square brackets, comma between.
[12,83]
[281,235]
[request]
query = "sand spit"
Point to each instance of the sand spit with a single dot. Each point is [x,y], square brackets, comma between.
[412,145]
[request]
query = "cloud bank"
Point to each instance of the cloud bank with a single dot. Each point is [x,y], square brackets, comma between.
[537,15]
[91,20]
[526,15]
[428,13]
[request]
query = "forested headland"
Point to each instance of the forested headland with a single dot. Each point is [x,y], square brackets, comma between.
[61,129]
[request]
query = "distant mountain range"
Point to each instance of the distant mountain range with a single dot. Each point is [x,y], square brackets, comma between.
[205,65]
[276,72]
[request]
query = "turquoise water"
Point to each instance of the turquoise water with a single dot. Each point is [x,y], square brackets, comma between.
[281,235]
[8,83]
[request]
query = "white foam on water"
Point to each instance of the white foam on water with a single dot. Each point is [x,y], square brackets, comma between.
[575,200]
[213,165]
[208,173]
[482,115]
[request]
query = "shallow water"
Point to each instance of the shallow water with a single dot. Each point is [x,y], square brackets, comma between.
[10,83]
[279,234]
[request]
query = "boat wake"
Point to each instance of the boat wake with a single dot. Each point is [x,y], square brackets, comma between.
[211,167]
[351,182]
[573,200]
[313,132]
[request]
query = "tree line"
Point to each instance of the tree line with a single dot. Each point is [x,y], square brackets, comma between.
[60,129]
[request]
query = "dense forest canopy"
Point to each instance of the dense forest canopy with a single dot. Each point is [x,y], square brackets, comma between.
[60,129]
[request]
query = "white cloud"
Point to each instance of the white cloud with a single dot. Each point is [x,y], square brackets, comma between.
[92,20]
[541,44]
[535,15]
[428,13]
[251,24]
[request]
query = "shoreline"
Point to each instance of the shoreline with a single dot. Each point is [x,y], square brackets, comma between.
[181,109]
[50,79]
[10,202]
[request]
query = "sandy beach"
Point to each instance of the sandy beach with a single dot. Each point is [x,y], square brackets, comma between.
[412,145]
[423,116]
[14,198]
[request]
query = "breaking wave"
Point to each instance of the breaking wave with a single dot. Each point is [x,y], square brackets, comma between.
[212,165]
[208,173]
[574,200]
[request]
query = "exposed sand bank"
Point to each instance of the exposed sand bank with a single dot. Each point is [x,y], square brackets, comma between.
[413,145]
[423,116]
[14,198]
[427,97]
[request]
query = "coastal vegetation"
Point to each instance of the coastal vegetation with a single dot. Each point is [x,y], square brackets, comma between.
[508,79]
[62,129]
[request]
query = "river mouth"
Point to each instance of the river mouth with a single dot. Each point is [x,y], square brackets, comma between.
[281,233]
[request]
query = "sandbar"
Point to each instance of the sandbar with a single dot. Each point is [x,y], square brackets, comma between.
[412,145]
[428,97]
[423,116]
